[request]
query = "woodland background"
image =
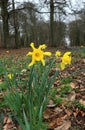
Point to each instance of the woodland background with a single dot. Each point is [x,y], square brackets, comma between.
[24,22]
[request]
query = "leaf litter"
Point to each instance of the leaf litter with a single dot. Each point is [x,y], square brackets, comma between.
[66,115]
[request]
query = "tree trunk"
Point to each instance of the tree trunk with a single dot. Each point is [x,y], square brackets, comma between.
[15,26]
[52,23]
[5,17]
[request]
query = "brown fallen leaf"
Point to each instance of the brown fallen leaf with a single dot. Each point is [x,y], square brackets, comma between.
[68,112]
[58,110]
[83,60]
[8,124]
[73,85]
[72,96]
[55,122]
[48,114]
[65,126]
[82,102]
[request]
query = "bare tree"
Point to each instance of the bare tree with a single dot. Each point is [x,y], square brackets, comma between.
[55,7]
[16,35]
[5,18]
[77,29]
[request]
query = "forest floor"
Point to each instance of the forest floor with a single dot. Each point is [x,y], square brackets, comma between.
[66,106]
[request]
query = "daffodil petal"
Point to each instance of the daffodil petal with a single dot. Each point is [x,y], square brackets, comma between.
[32,63]
[32,45]
[58,53]
[47,53]
[43,62]
[42,46]
[29,53]
[10,76]
[67,53]
[62,65]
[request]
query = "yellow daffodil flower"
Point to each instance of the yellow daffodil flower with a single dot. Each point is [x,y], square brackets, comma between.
[10,76]
[62,65]
[58,53]
[38,54]
[66,59]
[67,53]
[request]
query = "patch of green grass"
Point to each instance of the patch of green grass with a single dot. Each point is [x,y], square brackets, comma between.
[2,68]
[57,99]
[79,105]
[3,86]
[1,120]
[66,80]
[14,63]
[66,89]
[3,104]
[53,92]
[82,52]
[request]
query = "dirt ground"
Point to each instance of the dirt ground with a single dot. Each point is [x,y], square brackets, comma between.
[65,116]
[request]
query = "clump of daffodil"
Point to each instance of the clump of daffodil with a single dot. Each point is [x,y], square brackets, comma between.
[10,76]
[57,53]
[66,59]
[38,54]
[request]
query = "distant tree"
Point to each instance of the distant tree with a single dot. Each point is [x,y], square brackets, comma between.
[12,22]
[75,33]
[28,23]
[43,32]
[55,7]
[6,14]
[82,27]
[77,29]
[52,23]
[60,33]
[5,18]
[15,24]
